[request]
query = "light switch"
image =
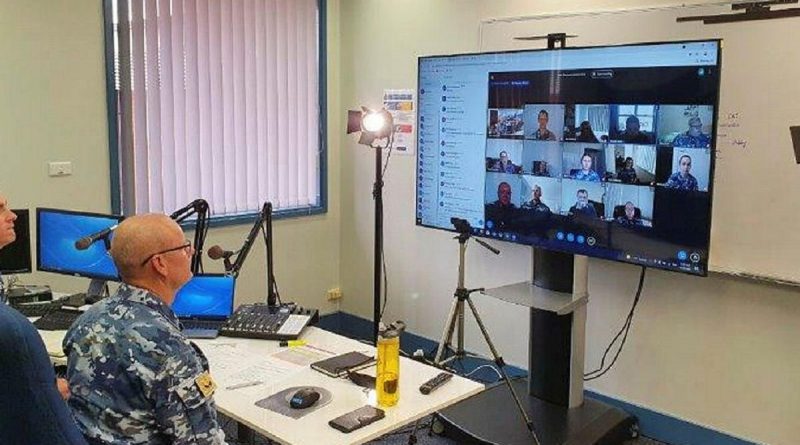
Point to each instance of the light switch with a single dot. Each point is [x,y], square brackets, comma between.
[60,168]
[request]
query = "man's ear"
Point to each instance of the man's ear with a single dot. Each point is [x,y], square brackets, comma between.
[160,265]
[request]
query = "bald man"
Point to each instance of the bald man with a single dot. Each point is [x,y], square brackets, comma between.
[7,235]
[134,377]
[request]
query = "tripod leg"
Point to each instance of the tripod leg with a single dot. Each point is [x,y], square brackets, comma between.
[501,364]
[447,333]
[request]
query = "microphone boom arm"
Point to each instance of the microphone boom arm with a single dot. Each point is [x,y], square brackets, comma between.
[200,208]
[263,223]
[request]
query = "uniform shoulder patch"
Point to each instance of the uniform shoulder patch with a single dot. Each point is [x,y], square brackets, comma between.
[205,384]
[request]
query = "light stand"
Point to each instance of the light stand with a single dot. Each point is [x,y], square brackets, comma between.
[374,126]
[377,195]
[456,318]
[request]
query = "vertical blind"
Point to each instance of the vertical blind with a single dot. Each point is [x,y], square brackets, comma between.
[218,99]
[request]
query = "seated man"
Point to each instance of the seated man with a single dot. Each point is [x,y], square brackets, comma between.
[627,173]
[582,206]
[502,212]
[633,133]
[504,165]
[543,133]
[682,179]
[629,219]
[536,203]
[586,134]
[134,377]
[694,136]
[7,234]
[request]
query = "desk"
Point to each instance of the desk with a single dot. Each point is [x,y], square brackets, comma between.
[239,404]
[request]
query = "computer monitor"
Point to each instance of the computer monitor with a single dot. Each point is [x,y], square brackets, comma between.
[16,257]
[205,296]
[550,147]
[56,233]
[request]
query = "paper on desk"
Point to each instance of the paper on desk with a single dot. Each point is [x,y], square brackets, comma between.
[265,372]
[302,355]
[235,366]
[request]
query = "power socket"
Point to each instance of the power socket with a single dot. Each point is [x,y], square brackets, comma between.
[59,168]
[334,294]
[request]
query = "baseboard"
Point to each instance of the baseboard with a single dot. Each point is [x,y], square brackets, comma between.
[658,426]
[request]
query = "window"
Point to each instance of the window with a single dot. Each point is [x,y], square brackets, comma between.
[216,99]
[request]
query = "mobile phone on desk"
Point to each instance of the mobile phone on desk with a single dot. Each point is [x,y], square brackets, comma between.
[356,419]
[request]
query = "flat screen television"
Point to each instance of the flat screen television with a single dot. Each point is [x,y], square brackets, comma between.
[56,233]
[600,151]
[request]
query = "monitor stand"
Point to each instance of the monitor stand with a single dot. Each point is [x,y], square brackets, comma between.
[96,291]
[556,298]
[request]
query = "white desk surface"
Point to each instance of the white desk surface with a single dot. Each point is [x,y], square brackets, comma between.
[313,428]
[227,356]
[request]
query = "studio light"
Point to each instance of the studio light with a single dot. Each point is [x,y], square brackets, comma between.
[375,126]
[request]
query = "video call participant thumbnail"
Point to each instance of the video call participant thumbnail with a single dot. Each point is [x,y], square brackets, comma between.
[632,134]
[500,214]
[682,179]
[586,172]
[694,136]
[629,219]
[582,205]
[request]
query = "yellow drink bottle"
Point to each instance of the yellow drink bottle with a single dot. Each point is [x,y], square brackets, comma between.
[387,381]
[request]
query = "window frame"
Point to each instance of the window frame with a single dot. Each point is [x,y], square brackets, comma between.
[221,220]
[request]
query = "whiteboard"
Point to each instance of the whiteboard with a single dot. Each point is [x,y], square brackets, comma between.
[756,199]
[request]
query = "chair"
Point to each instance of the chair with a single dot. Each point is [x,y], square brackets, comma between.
[31,409]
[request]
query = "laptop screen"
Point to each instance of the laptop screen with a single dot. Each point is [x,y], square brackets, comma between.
[205,296]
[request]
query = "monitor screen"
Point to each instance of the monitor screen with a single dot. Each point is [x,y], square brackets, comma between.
[600,151]
[16,257]
[56,234]
[205,296]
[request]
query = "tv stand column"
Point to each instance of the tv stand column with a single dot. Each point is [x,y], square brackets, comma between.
[556,298]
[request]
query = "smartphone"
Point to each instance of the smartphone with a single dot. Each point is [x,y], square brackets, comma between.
[356,419]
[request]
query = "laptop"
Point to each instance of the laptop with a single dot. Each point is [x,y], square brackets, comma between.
[204,304]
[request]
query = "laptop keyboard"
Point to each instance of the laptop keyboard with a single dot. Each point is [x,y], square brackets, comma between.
[202,324]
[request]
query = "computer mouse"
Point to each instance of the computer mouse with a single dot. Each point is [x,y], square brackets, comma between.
[303,398]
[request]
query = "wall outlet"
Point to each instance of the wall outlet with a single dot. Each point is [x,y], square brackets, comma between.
[60,168]
[334,294]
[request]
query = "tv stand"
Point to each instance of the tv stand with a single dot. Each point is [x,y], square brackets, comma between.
[556,298]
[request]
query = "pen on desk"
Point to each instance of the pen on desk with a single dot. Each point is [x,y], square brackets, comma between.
[245,384]
[292,343]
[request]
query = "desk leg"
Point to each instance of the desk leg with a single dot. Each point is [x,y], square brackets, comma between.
[412,439]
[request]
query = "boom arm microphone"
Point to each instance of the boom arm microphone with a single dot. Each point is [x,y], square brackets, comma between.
[216,252]
[86,241]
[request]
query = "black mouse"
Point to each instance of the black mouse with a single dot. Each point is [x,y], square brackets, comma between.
[303,398]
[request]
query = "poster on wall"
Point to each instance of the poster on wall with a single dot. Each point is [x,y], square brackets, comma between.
[400,103]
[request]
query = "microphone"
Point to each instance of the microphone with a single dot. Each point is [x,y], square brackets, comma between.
[86,241]
[216,252]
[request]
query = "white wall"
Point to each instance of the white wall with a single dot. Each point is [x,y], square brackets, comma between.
[53,108]
[718,351]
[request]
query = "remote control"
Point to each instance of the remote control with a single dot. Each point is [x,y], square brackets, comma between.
[429,386]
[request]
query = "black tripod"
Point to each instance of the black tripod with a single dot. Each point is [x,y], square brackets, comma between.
[456,319]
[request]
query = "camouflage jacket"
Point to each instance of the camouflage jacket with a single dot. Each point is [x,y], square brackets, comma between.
[135,378]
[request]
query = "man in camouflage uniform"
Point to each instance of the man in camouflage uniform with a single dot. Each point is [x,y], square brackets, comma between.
[134,377]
